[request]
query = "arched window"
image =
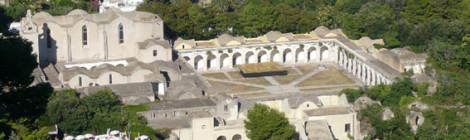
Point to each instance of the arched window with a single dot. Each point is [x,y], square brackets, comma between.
[110,79]
[79,81]
[84,35]
[121,34]
[48,35]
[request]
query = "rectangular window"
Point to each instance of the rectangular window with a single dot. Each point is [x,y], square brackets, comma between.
[79,81]
[225,107]
[110,79]
[154,52]
[121,34]
[347,127]
[84,35]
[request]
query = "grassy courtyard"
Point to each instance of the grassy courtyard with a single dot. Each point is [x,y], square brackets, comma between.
[328,77]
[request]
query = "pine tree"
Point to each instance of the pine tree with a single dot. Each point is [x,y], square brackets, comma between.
[265,123]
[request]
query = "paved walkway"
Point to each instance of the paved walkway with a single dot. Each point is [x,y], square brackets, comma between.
[272,80]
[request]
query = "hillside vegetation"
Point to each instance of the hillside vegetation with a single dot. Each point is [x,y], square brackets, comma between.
[439,28]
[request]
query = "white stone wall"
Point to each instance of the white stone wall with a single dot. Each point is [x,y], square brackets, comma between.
[102,41]
[338,122]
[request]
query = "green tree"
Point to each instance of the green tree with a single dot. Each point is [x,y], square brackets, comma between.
[255,19]
[21,103]
[264,124]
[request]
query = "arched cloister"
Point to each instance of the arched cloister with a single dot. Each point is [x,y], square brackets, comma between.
[299,55]
[236,59]
[221,138]
[237,137]
[187,58]
[224,61]
[275,56]
[323,53]
[287,56]
[365,75]
[250,58]
[211,63]
[262,56]
[198,62]
[312,54]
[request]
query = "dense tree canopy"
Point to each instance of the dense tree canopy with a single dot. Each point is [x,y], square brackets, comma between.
[20,103]
[265,123]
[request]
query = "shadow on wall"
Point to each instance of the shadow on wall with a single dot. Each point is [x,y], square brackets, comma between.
[47,47]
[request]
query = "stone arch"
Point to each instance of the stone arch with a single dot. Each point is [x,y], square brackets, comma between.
[356,68]
[211,63]
[262,56]
[198,62]
[299,55]
[224,61]
[237,137]
[312,54]
[221,138]
[237,59]
[365,74]
[250,57]
[323,53]
[287,56]
[187,58]
[275,56]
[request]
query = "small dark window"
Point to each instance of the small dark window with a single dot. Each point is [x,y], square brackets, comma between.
[154,52]
[121,33]
[110,79]
[308,105]
[48,39]
[84,35]
[347,127]
[225,107]
[183,46]
[79,81]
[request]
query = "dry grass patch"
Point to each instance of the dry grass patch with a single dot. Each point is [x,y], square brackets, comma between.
[283,80]
[235,74]
[258,81]
[328,89]
[252,94]
[292,71]
[328,77]
[307,68]
[216,76]
[236,88]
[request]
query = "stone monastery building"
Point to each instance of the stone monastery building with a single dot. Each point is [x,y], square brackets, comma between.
[127,52]
[319,46]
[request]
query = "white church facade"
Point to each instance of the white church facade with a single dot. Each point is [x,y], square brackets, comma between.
[81,50]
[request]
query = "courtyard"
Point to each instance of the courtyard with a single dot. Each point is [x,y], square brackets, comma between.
[300,79]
